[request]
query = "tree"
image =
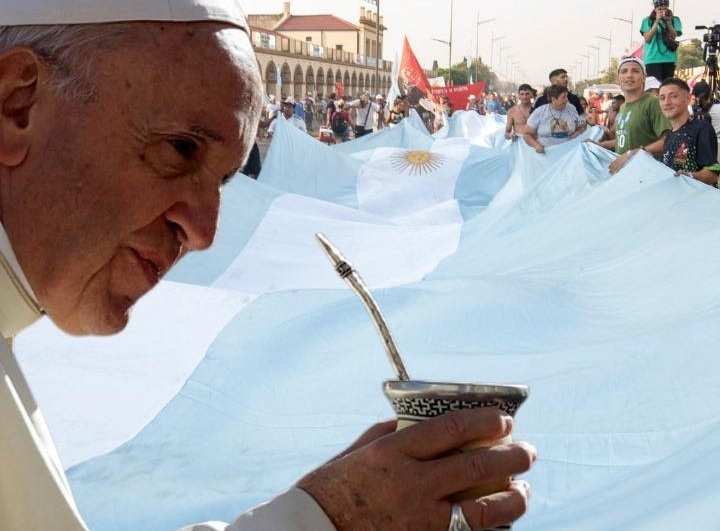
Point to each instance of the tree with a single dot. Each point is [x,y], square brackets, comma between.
[690,55]
[461,73]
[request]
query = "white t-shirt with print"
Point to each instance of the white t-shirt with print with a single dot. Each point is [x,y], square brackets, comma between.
[552,126]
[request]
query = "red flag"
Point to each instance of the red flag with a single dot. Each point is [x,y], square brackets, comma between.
[339,89]
[458,94]
[636,52]
[412,81]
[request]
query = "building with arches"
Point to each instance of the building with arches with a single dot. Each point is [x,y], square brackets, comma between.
[319,54]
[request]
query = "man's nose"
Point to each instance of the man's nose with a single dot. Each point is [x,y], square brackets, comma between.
[196,219]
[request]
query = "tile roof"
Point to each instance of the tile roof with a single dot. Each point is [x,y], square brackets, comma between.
[315,23]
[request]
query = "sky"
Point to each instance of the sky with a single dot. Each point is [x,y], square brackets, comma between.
[527,38]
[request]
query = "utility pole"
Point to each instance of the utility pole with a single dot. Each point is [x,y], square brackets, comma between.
[377,46]
[450,40]
[477,40]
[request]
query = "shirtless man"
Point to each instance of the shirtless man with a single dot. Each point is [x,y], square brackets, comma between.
[517,116]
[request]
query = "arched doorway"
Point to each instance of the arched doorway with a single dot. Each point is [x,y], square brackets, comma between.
[330,82]
[271,79]
[285,77]
[320,82]
[310,81]
[298,82]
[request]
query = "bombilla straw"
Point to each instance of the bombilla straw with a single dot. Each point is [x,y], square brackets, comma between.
[348,273]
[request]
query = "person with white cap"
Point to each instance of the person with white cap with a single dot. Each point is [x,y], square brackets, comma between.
[652,85]
[640,124]
[288,112]
[119,124]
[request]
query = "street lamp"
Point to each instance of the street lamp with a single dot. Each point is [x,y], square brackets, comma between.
[500,51]
[446,43]
[450,40]
[597,62]
[477,40]
[609,41]
[632,23]
[587,57]
[514,72]
[492,47]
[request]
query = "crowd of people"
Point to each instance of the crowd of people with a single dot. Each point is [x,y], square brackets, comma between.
[345,117]
[645,116]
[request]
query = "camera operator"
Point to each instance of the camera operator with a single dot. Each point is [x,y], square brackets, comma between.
[704,107]
[660,30]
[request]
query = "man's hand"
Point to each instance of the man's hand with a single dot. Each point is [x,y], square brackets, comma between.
[540,149]
[404,480]
[619,162]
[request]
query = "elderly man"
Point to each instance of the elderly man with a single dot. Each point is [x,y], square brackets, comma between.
[119,124]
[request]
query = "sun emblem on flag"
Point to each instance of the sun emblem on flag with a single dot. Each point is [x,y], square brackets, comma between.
[416,162]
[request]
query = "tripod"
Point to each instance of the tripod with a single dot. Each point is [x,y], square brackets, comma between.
[710,56]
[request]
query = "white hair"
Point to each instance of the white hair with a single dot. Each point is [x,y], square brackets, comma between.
[69,50]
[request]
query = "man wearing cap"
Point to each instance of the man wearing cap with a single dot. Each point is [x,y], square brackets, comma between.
[640,124]
[652,85]
[288,110]
[119,124]
[559,76]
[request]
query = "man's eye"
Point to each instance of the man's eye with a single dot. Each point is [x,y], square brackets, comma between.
[184,147]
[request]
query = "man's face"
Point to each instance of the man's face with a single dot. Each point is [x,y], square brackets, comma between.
[115,190]
[674,101]
[560,79]
[525,96]
[616,104]
[288,109]
[631,77]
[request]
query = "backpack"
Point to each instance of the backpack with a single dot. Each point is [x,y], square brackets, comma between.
[338,123]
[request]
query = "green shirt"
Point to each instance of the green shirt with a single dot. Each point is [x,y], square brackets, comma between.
[655,51]
[639,123]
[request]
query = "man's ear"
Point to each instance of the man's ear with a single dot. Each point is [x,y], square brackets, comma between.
[19,74]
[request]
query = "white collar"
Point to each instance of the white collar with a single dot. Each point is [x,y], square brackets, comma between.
[18,305]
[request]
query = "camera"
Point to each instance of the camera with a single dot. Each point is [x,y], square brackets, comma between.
[712,37]
[711,41]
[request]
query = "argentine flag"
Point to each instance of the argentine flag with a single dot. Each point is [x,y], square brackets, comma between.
[252,363]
